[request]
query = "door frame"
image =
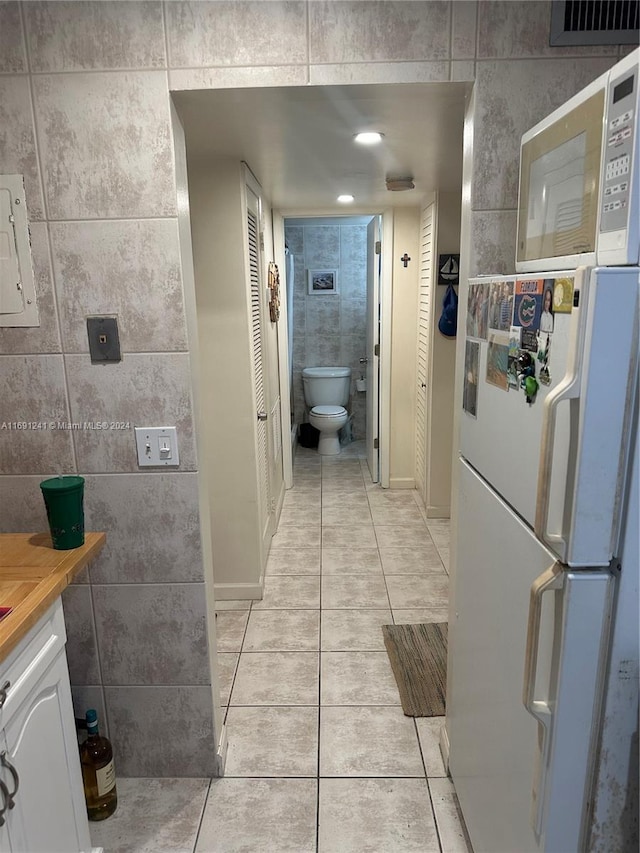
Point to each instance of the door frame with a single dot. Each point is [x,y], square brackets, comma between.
[386,281]
[283,351]
[251,186]
[384,399]
[372,351]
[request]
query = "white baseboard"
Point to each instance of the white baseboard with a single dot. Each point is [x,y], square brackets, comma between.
[221,753]
[444,747]
[439,511]
[402,483]
[237,591]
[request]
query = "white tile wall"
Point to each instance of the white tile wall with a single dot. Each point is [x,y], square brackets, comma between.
[131,35]
[105,144]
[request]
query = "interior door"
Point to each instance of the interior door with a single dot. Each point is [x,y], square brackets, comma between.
[262,415]
[374,255]
[424,330]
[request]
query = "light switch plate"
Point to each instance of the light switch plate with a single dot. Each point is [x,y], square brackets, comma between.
[104,339]
[157,447]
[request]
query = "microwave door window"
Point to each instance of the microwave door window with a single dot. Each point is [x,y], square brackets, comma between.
[560,187]
[557,198]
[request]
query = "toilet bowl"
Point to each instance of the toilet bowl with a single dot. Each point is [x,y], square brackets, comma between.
[326,392]
[329,420]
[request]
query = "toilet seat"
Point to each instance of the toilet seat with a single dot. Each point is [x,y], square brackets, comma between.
[328,420]
[328,411]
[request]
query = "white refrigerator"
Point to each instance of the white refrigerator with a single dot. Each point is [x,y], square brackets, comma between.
[542,704]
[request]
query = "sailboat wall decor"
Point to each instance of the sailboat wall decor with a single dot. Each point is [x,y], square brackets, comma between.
[448,269]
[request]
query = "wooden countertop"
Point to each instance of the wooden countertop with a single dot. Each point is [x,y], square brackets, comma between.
[33,575]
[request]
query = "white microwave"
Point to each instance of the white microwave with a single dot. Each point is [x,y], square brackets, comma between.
[579,192]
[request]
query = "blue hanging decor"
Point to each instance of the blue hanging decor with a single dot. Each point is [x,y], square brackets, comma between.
[448,322]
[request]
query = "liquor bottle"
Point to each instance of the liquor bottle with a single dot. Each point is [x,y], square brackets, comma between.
[98,773]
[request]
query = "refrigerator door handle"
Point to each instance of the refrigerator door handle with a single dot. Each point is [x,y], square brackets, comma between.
[567,389]
[563,392]
[551,579]
[569,724]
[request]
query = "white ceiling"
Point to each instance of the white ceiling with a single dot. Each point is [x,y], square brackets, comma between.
[298,141]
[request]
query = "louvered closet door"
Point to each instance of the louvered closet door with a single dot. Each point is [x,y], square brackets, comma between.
[424,330]
[258,370]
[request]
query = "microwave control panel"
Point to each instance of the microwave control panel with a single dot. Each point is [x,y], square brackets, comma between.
[622,127]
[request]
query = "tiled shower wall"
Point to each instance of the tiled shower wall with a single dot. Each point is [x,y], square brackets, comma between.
[330,329]
[84,115]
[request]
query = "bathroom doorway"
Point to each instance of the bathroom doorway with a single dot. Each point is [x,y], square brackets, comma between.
[299,141]
[343,325]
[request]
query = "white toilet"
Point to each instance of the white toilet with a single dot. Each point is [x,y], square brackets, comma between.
[326,391]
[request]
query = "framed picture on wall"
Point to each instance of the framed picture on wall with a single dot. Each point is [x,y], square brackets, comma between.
[323,281]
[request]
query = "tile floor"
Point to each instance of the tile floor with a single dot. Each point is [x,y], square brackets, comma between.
[321,757]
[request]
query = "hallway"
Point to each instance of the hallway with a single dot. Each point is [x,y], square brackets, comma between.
[348,558]
[321,757]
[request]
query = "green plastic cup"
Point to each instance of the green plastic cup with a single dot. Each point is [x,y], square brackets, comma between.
[63,498]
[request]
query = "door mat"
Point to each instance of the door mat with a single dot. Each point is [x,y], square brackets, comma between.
[418,655]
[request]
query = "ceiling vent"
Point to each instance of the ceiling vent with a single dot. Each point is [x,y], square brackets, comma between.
[395,185]
[585,22]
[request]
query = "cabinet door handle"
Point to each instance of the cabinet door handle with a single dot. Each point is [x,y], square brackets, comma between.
[5,801]
[16,779]
[3,692]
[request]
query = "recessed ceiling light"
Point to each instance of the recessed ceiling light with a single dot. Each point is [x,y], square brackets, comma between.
[345,199]
[369,137]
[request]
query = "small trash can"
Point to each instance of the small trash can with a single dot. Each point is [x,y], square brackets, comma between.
[308,436]
[346,433]
[63,498]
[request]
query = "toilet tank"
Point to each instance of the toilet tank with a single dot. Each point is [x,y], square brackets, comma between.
[326,386]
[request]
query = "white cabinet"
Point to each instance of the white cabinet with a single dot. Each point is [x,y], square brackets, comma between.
[39,762]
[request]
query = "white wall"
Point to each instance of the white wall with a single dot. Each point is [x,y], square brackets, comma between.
[188,275]
[226,375]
